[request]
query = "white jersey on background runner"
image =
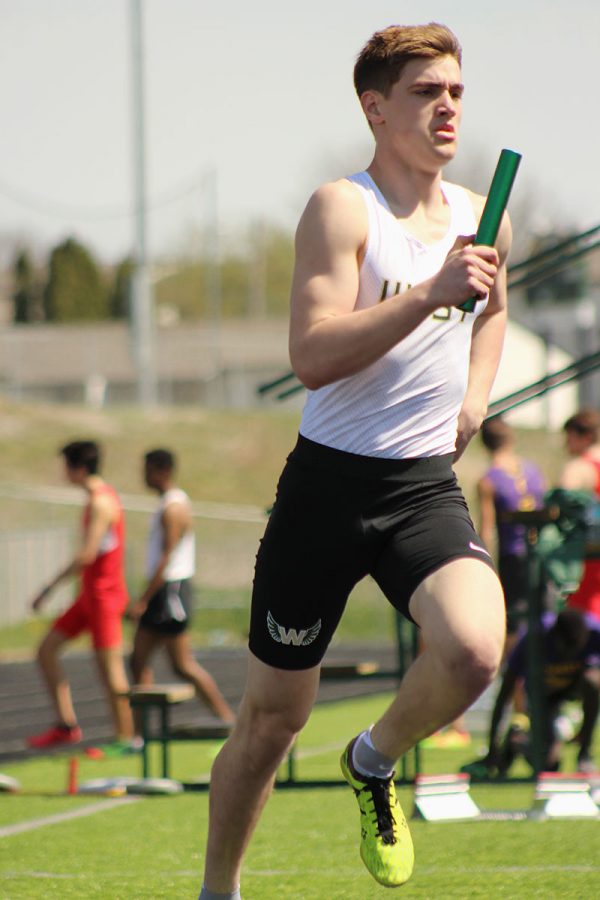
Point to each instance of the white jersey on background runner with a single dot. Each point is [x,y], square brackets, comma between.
[406,404]
[182,561]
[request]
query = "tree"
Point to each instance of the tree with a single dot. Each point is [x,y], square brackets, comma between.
[75,291]
[279,256]
[120,293]
[26,297]
[271,263]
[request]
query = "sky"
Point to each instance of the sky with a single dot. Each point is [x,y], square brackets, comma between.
[249,106]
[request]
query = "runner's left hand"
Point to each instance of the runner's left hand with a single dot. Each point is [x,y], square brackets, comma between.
[469,423]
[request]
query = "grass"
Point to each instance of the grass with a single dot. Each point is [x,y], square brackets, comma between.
[305,847]
[225,456]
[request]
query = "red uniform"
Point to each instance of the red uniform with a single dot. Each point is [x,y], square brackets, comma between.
[587,596]
[103,598]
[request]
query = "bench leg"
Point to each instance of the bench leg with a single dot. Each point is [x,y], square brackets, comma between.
[164,737]
[145,738]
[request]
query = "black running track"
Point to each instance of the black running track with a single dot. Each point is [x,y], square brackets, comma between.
[25,708]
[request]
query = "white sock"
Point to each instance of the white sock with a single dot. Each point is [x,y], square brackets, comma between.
[205,894]
[369,761]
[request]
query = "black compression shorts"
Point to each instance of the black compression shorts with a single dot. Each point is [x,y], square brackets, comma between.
[169,609]
[338,517]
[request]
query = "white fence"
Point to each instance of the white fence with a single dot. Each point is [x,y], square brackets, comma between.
[28,559]
[41,543]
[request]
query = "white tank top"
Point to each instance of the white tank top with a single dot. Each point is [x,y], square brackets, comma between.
[406,404]
[182,561]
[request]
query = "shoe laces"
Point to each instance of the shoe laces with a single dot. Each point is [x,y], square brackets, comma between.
[380,789]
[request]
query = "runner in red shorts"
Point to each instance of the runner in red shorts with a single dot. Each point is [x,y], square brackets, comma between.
[99,606]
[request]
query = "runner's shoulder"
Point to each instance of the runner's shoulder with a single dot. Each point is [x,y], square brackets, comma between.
[336,207]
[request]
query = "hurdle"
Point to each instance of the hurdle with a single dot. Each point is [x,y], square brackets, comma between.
[594,781]
[444,798]
[560,796]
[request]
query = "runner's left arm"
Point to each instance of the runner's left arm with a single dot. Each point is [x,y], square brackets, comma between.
[486,349]
[101,517]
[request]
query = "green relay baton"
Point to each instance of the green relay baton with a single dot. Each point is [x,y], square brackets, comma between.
[500,189]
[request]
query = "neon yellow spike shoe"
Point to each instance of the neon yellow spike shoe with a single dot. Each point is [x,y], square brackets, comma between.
[386,846]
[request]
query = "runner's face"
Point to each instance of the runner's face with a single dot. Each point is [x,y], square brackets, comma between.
[423,110]
[149,476]
[75,474]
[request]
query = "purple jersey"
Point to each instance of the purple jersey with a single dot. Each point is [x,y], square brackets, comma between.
[560,674]
[524,491]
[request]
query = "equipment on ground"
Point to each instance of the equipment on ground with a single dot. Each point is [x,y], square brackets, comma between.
[154,787]
[444,798]
[9,785]
[563,796]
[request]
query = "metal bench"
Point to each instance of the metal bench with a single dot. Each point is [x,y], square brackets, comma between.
[155,704]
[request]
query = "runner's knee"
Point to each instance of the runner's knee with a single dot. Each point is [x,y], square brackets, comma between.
[47,650]
[475,660]
[184,670]
[269,733]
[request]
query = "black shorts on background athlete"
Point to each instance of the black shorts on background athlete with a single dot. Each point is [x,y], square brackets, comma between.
[337,518]
[169,609]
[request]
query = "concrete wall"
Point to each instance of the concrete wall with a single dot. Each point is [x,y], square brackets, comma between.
[196,363]
[205,365]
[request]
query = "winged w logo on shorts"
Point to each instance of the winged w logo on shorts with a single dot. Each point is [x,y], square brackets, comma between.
[301,638]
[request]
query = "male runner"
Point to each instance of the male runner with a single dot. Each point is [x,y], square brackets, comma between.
[164,609]
[99,607]
[398,378]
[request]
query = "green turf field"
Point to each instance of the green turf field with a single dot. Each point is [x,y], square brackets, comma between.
[306,846]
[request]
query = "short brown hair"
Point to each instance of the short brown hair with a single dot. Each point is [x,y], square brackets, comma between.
[381,61]
[161,459]
[584,422]
[496,433]
[82,455]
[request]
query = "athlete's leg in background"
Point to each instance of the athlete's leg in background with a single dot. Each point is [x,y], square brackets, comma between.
[55,677]
[114,678]
[145,642]
[184,664]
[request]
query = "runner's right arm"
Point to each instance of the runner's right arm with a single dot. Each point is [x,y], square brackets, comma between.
[329,339]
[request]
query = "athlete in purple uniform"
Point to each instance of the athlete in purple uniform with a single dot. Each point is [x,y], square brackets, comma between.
[511,483]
